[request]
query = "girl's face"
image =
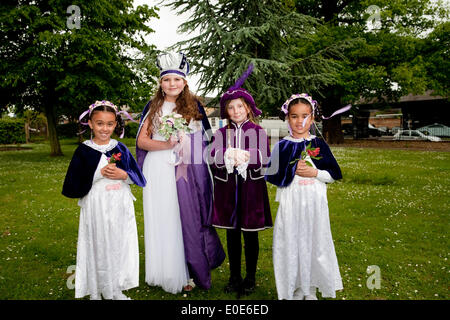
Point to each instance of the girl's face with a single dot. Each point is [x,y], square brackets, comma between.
[298,113]
[102,124]
[172,86]
[237,111]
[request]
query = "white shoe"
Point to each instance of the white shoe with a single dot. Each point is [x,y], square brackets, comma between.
[312,294]
[95,297]
[298,294]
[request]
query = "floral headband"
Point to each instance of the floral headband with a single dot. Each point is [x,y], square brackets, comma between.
[313,103]
[108,104]
[305,96]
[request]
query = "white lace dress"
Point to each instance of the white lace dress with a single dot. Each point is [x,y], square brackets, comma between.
[107,249]
[303,249]
[165,263]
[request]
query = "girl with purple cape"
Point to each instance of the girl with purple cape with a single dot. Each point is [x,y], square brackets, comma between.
[304,256]
[100,174]
[180,243]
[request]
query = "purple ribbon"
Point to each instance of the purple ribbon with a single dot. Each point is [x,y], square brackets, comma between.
[82,116]
[129,117]
[339,111]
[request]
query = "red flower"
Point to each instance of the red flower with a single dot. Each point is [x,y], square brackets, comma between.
[115,157]
[313,152]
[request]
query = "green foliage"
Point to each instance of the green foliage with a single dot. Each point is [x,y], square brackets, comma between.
[404,46]
[50,67]
[67,130]
[12,131]
[266,33]
[131,129]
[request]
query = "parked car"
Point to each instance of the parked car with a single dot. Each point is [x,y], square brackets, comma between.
[376,132]
[414,135]
[394,130]
[436,129]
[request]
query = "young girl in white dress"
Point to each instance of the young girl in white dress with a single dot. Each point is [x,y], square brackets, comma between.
[303,251]
[107,249]
[180,243]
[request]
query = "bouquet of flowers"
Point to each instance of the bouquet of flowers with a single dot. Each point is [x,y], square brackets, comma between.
[311,152]
[171,124]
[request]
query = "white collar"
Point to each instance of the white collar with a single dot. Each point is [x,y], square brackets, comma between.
[240,126]
[292,139]
[102,148]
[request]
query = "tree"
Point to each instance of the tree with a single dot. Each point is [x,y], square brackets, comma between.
[396,54]
[265,33]
[58,58]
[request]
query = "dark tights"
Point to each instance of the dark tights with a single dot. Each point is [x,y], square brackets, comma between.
[251,251]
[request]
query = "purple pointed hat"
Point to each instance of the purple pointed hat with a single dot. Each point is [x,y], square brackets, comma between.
[235,91]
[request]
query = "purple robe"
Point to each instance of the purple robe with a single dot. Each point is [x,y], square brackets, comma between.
[202,247]
[252,192]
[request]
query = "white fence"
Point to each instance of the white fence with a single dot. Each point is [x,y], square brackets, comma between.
[273,126]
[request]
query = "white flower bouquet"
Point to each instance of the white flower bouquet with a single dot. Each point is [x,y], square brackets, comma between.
[171,124]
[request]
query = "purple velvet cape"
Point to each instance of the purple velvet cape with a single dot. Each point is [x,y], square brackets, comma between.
[254,201]
[202,247]
[79,176]
[286,151]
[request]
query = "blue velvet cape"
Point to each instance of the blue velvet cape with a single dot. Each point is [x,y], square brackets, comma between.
[286,151]
[84,162]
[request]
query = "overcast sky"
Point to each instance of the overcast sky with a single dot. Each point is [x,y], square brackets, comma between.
[166,34]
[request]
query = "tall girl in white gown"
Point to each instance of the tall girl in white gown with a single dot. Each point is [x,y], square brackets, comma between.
[165,264]
[303,251]
[180,242]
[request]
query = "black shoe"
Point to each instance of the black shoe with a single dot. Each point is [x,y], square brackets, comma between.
[233,285]
[248,286]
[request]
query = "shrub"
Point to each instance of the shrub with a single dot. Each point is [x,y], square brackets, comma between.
[12,131]
[131,129]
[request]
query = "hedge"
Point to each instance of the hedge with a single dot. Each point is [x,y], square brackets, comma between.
[12,131]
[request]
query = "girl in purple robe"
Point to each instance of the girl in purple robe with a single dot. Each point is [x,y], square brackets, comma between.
[240,151]
[180,242]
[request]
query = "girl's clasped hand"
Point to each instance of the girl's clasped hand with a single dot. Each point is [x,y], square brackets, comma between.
[238,156]
[111,171]
[303,170]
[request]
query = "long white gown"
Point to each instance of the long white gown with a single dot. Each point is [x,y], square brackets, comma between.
[165,263]
[107,249]
[303,249]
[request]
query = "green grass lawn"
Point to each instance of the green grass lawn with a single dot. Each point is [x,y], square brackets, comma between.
[390,210]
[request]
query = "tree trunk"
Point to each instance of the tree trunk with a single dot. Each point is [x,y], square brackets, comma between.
[27,132]
[55,147]
[332,130]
